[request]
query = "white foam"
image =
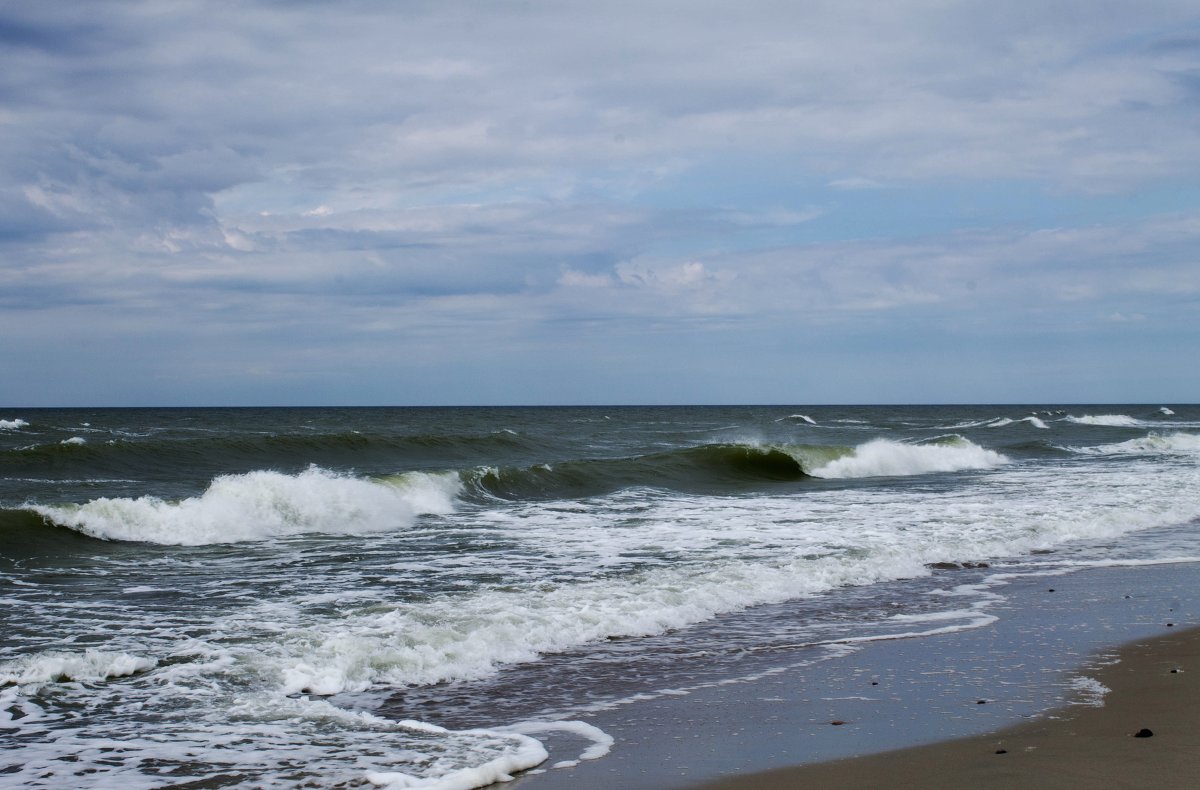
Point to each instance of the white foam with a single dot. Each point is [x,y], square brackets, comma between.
[1110,420]
[1171,443]
[261,505]
[1166,411]
[1090,692]
[74,440]
[884,457]
[801,417]
[54,666]
[1034,421]
[527,753]
[12,425]
[602,742]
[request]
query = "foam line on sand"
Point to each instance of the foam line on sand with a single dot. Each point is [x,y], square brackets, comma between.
[1153,687]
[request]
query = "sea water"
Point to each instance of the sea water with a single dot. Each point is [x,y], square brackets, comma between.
[420,597]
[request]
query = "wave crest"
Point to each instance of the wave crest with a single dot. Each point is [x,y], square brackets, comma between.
[1152,444]
[1034,421]
[12,425]
[1109,420]
[261,505]
[887,458]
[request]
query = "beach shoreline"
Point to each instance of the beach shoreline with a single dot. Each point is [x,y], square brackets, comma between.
[1057,639]
[1145,734]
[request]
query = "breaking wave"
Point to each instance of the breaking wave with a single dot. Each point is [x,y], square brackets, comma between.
[1109,420]
[1034,421]
[883,457]
[1152,444]
[12,425]
[261,505]
[721,468]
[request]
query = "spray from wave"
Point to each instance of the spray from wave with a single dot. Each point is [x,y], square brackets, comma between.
[12,425]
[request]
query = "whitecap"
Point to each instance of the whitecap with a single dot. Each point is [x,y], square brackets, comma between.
[1110,420]
[1171,443]
[884,457]
[261,505]
[1003,421]
[12,425]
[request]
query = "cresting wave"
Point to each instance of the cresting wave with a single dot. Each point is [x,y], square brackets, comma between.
[886,458]
[262,505]
[715,468]
[1152,444]
[1108,420]
[12,425]
[1034,421]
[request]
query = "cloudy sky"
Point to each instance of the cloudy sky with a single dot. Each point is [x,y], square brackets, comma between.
[386,202]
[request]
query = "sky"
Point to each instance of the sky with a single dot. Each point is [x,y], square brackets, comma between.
[377,202]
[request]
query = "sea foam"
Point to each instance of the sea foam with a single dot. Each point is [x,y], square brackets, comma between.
[884,457]
[54,666]
[12,425]
[261,505]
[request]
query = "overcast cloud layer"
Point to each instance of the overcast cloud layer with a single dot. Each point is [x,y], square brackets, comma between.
[614,202]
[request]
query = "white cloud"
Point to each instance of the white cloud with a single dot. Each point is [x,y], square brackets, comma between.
[429,170]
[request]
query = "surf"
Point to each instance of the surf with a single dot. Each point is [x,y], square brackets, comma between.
[262,505]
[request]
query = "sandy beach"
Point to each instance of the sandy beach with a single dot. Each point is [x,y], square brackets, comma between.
[1146,734]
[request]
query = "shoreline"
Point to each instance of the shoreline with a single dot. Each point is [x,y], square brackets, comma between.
[916,696]
[1145,734]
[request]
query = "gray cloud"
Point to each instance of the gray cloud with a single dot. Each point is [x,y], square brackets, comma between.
[362,173]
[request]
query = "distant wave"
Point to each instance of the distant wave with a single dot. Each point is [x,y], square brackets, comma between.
[1110,420]
[709,468]
[883,457]
[261,505]
[1034,421]
[798,418]
[721,468]
[1165,410]
[155,456]
[1151,444]
[12,425]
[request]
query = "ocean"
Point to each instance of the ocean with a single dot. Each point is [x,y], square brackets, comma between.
[403,597]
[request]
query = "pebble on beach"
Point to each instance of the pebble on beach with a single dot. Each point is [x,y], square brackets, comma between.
[1143,733]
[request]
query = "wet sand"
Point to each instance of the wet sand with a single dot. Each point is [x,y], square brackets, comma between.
[912,708]
[1154,688]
